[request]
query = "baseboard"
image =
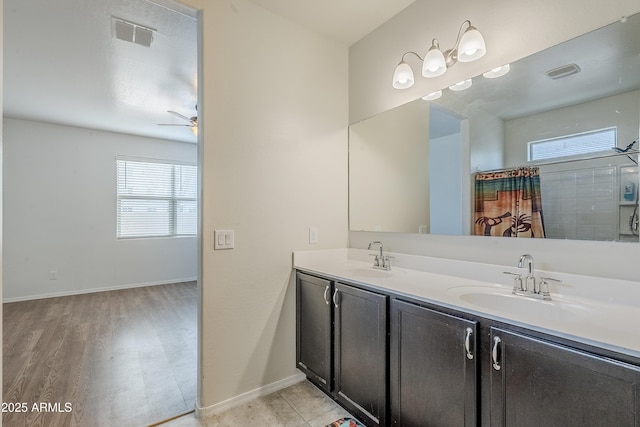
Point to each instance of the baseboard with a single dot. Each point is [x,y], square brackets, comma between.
[209,411]
[94,290]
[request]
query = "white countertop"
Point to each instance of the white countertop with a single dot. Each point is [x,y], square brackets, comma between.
[595,311]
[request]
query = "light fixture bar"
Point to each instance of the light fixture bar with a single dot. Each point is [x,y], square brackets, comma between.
[469,46]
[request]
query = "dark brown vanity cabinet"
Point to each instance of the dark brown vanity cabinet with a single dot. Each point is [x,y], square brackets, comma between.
[539,383]
[342,344]
[394,360]
[314,329]
[361,353]
[434,365]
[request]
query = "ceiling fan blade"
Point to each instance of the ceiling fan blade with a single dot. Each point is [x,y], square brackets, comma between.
[179,115]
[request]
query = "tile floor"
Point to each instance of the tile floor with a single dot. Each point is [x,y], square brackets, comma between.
[300,405]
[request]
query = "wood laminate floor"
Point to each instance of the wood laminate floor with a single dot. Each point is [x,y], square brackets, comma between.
[116,358]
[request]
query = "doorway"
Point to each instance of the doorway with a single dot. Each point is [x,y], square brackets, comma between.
[55,245]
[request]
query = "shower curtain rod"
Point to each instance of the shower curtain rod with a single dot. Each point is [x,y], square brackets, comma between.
[556,162]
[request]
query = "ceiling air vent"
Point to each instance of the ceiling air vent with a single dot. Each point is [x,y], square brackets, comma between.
[564,71]
[131,32]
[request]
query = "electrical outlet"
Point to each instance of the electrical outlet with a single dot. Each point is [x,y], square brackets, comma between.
[313,235]
[53,275]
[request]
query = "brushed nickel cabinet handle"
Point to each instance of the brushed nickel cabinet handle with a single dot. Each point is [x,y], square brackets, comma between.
[494,353]
[326,295]
[335,298]
[467,343]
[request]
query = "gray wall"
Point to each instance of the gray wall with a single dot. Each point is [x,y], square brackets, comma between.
[60,213]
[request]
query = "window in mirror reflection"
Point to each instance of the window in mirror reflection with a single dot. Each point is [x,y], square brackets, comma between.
[599,141]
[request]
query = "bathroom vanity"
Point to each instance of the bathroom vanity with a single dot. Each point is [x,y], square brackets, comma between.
[446,343]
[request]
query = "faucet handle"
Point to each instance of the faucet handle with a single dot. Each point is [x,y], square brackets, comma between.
[517,281]
[544,286]
[386,262]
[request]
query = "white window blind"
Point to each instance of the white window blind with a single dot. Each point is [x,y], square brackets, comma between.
[573,145]
[156,199]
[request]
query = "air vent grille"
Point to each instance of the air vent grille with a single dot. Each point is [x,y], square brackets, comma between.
[131,32]
[564,71]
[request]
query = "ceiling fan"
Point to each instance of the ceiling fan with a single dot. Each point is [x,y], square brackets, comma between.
[193,121]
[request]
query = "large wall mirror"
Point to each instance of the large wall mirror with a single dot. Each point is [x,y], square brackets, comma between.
[563,110]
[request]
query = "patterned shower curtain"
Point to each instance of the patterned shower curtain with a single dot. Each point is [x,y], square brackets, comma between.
[508,203]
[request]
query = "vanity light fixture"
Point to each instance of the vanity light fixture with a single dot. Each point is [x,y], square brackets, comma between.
[469,47]
[465,84]
[433,95]
[497,72]
[403,76]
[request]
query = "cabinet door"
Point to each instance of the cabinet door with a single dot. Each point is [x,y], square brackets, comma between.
[314,325]
[537,383]
[433,368]
[361,353]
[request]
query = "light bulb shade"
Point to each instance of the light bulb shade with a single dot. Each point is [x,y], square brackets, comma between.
[403,76]
[433,95]
[434,64]
[465,84]
[497,72]
[471,46]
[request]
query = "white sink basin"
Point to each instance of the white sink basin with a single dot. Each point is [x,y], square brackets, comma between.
[370,272]
[504,301]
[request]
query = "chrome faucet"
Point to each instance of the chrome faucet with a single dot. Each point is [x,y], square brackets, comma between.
[526,286]
[530,281]
[381,261]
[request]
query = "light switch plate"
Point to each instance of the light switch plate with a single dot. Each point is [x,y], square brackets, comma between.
[223,239]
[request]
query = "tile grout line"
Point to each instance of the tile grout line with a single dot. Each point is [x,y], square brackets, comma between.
[293,407]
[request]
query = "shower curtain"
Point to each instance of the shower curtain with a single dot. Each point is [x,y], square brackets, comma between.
[508,203]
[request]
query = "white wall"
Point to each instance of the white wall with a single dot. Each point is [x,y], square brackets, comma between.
[620,111]
[485,132]
[446,195]
[512,30]
[274,162]
[389,159]
[60,213]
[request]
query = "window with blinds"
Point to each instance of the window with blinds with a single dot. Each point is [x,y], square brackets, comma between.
[573,145]
[156,199]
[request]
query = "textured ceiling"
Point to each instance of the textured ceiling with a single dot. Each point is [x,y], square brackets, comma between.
[62,65]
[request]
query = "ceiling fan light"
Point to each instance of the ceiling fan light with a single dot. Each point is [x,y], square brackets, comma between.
[434,64]
[497,72]
[403,76]
[465,84]
[433,95]
[471,46]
